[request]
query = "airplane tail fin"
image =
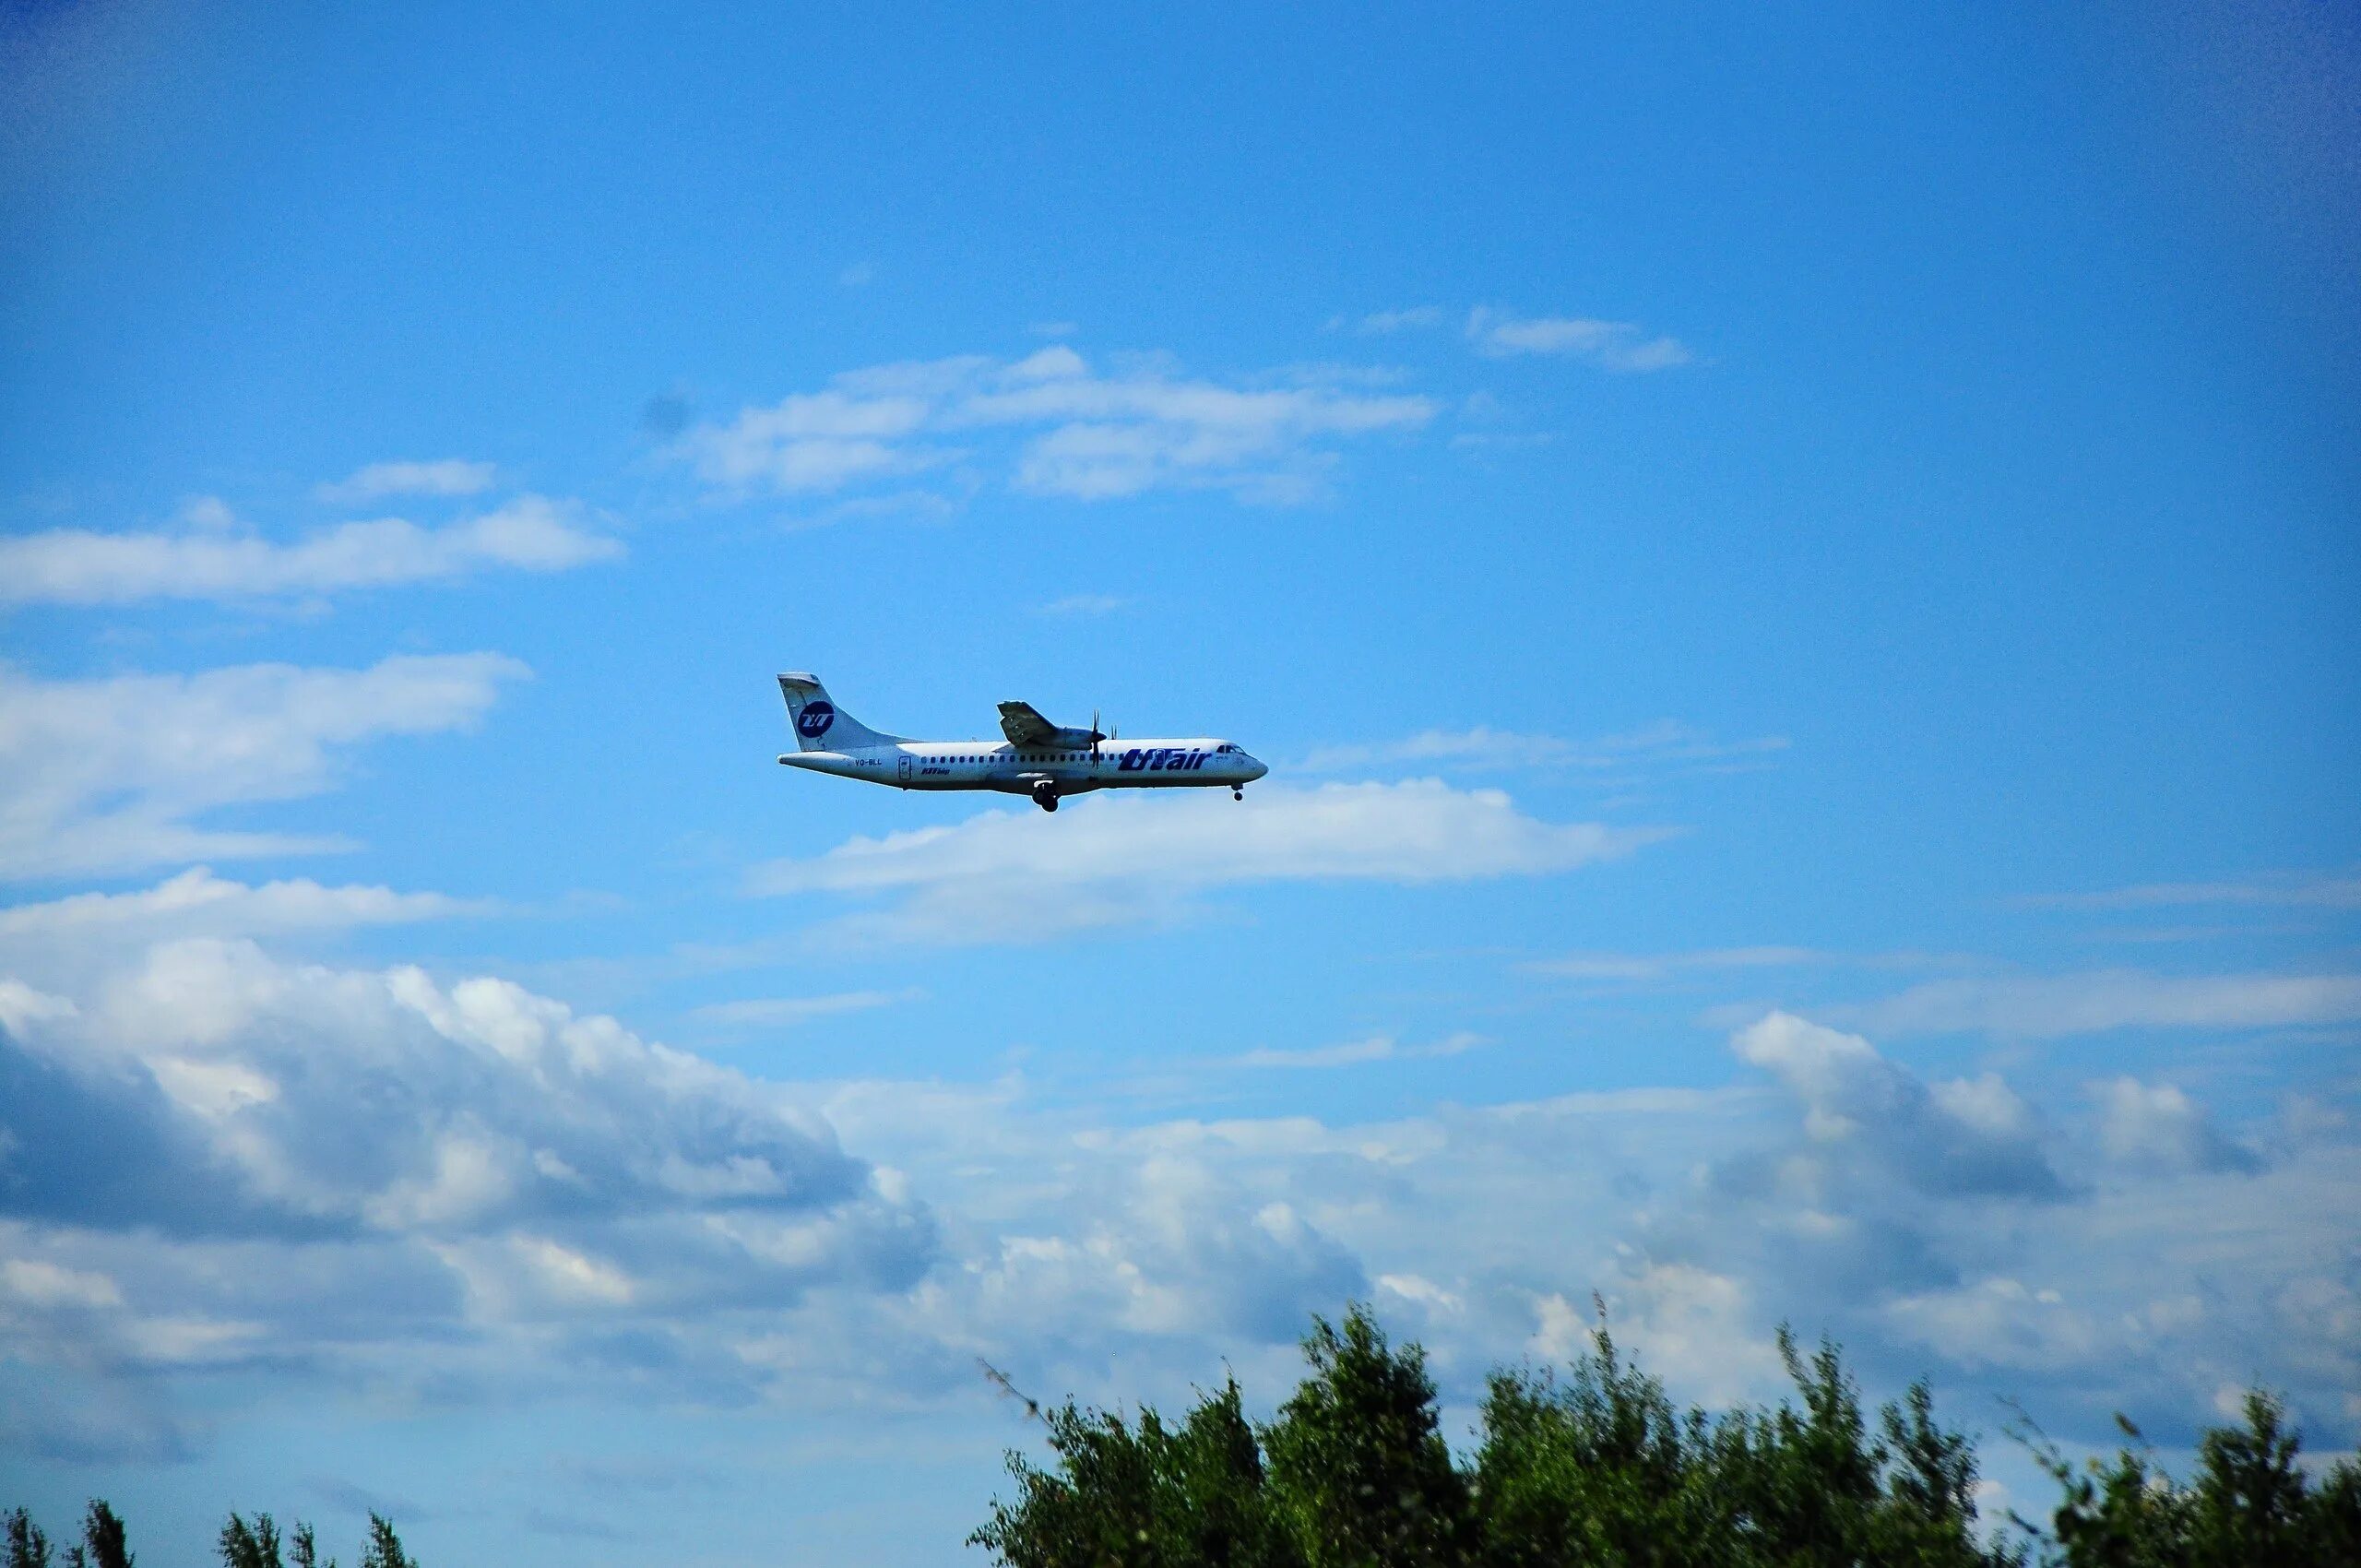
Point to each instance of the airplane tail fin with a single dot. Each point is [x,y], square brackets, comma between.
[819,724]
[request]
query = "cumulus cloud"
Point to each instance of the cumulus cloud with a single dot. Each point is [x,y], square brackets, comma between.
[1703,1217]
[2000,1322]
[220,1160]
[2048,1006]
[1955,1137]
[2158,1127]
[215,1157]
[1109,862]
[1077,431]
[345,1102]
[448,476]
[1702,1332]
[80,566]
[108,774]
[1609,345]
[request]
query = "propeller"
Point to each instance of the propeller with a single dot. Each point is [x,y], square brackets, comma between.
[1095,736]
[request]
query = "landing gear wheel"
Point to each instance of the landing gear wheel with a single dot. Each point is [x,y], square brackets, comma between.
[1237,794]
[1045,795]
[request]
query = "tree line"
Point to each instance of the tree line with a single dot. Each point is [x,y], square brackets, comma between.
[244,1543]
[1598,1467]
[1594,1467]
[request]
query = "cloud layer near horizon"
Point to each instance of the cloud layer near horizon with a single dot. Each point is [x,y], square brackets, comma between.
[220,1163]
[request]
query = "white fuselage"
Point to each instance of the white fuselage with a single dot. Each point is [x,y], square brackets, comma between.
[1021,770]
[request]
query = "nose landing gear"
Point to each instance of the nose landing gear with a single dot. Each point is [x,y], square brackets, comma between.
[1237,792]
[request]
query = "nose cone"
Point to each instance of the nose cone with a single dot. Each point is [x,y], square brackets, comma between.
[1254,767]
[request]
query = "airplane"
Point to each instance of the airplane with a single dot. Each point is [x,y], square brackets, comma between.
[1038,758]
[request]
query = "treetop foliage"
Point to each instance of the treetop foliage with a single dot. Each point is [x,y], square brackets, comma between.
[255,1544]
[102,1545]
[2249,1504]
[1591,1466]
[1596,1467]
[242,1543]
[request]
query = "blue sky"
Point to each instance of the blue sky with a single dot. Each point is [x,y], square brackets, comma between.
[1796,568]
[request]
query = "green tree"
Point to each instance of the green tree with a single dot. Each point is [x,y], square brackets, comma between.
[1602,1469]
[2250,1502]
[1599,1469]
[1218,1498]
[1595,1469]
[385,1549]
[1928,1518]
[304,1549]
[102,1534]
[1144,1493]
[1358,1462]
[250,1546]
[27,1547]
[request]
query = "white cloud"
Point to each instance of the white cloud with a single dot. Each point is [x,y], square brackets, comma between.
[1081,433]
[2158,1127]
[1610,345]
[197,902]
[2044,1007]
[1384,323]
[1482,1226]
[788,1011]
[1113,859]
[449,476]
[2300,890]
[215,1159]
[108,774]
[329,1169]
[1356,1053]
[79,567]
[63,942]
[2002,1323]
[1665,744]
[1697,1329]
[1658,965]
[23,1007]
[812,442]
[311,1104]
[36,1283]
[1949,1138]
[1085,604]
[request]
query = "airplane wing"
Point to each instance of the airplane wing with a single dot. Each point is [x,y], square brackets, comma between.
[1024,725]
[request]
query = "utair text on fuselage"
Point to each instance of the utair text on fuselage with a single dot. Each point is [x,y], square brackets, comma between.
[1038,758]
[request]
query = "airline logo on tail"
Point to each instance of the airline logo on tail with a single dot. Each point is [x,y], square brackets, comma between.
[814,721]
